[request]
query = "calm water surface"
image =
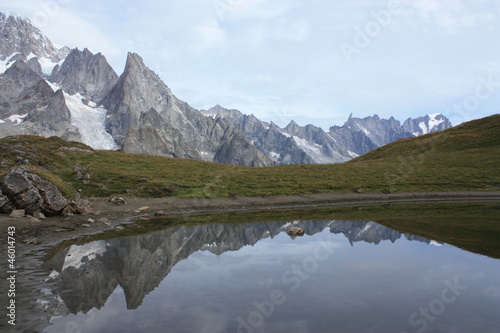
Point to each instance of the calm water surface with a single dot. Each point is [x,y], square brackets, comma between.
[341,276]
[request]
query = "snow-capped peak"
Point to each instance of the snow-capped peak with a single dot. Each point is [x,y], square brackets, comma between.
[20,40]
[434,121]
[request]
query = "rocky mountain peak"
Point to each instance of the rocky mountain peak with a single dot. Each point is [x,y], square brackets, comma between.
[18,36]
[17,79]
[137,90]
[85,73]
[21,70]
[134,63]
[232,115]
[427,124]
[292,127]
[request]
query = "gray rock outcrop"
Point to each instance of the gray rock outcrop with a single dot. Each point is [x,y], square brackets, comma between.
[26,190]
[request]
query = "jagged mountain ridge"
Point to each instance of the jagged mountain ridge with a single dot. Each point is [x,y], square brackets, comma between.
[309,144]
[138,113]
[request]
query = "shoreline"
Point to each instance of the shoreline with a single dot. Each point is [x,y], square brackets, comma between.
[54,229]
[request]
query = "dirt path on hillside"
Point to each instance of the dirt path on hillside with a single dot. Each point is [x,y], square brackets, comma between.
[107,215]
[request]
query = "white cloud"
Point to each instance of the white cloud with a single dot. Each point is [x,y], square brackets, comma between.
[450,16]
[209,35]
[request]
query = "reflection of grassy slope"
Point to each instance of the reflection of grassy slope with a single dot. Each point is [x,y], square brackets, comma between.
[462,158]
[472,227]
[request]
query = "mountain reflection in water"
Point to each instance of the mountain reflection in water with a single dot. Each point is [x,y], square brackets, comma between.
[138,264]
[222,272]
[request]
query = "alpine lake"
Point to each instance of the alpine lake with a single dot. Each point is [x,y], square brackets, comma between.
[394,268]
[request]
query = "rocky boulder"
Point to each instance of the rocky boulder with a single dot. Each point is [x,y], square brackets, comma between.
[21,189]
[296,231]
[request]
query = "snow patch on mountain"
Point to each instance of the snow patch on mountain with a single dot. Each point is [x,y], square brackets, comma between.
[90,122]
[367,132]
[46,64]
[352,154]
[15,119]
[433,121]
[5,64]
[423,127]
[274,155]
[313,150]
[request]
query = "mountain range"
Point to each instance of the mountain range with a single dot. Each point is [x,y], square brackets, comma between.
[76,95]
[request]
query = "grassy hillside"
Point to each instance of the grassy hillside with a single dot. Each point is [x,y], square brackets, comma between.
[462,158]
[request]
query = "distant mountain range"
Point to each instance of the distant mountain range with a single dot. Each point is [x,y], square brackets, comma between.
[77,95]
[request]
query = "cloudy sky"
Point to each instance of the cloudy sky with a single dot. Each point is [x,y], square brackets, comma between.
[315,61]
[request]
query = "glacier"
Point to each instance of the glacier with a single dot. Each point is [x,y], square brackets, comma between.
[90,122]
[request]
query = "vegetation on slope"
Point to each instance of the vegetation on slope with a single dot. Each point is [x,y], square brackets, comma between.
[466,157]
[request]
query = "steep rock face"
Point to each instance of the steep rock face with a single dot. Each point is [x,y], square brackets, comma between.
[139,90]
[282,147]
[154,136]
[22,90]
[380,131]
[35,66]
[316,143]
[85,73]
[32,105]
[267,138]
[20,40]
[353,143]
[52,120]
[237,150]
[16,79]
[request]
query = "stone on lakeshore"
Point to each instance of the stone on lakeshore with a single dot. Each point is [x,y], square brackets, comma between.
[17,213]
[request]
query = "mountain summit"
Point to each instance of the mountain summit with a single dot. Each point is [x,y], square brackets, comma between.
[20,40]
